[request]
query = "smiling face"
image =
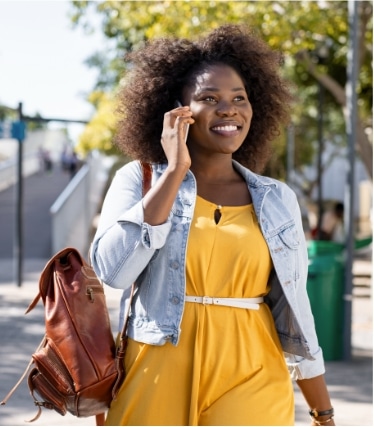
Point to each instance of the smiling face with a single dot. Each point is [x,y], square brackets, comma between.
[221,109]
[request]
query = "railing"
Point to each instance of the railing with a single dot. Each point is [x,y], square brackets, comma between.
[8,169]
[76,207]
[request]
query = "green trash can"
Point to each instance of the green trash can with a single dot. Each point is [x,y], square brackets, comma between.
[325,287]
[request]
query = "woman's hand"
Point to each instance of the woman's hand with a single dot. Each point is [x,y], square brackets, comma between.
[174,136]
[159,200]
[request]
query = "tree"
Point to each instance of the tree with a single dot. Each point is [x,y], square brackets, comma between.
[7,113]
[302,30]
[336,88]
[99,132]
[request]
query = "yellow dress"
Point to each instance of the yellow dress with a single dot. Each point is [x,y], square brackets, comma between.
[228,368]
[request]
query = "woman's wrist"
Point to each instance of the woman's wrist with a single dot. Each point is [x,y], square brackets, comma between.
[321,418]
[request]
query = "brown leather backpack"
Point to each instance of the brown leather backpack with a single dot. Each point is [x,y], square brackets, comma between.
[76,368]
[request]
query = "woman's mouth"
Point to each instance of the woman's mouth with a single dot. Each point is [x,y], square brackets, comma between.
[227,130]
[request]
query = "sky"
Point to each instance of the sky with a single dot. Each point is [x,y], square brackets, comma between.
[42,61]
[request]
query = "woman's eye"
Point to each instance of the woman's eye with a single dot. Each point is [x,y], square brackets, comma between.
[209,98]
[239,98]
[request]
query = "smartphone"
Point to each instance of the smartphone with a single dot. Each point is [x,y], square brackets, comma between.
[179,104]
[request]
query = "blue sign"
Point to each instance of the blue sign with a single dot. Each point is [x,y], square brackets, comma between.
[18,130]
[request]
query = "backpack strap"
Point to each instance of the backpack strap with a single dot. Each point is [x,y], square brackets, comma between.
[147,177]
[121,348]
[33,303]
[100,419]
[7,397]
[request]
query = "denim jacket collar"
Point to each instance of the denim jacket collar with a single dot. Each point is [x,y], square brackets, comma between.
[254,180]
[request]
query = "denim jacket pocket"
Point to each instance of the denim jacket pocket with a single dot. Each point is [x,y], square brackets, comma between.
[284,247]
[290,237]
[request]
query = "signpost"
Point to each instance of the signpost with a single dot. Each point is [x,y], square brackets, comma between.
[17,130]
[18,133]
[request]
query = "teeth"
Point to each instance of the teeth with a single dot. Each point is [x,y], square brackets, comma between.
[225,128]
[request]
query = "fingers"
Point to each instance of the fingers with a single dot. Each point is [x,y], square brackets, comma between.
[179,115]
[176,124]
[174,135]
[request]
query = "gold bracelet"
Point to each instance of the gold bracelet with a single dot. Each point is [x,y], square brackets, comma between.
[320,423]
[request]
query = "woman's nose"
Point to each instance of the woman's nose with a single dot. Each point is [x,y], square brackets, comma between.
[226,109]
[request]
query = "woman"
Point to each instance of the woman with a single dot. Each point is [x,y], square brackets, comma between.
[209,226]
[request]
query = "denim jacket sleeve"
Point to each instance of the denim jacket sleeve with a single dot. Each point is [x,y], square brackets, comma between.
[280,218]
[311,365]
[302,367]
[124,244]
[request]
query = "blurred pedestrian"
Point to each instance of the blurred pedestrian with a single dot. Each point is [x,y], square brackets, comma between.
[65,156]
[73,164]
[45,159]
[332,225]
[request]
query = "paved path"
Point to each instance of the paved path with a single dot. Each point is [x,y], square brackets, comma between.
[39,192]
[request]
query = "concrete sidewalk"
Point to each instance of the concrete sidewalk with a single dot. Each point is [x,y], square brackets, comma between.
[350,382]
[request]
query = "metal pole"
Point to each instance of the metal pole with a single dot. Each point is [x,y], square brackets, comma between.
[290,154]
[18,246]
[351,120]
[319,159]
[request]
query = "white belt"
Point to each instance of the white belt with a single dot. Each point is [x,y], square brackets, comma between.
[250,303]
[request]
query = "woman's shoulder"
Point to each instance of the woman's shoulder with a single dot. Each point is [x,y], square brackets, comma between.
[283,190]
[136,166]
[257,180]
[130,166]
[128,174]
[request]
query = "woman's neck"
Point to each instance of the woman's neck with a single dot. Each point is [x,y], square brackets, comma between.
[221,184]
[215,171]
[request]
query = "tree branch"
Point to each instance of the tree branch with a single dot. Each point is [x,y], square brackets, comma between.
[328,82]
[338,92]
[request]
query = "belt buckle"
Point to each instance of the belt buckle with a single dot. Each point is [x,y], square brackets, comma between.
[207,300]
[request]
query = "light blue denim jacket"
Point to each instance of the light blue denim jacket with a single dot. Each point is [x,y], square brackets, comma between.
[125,250]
